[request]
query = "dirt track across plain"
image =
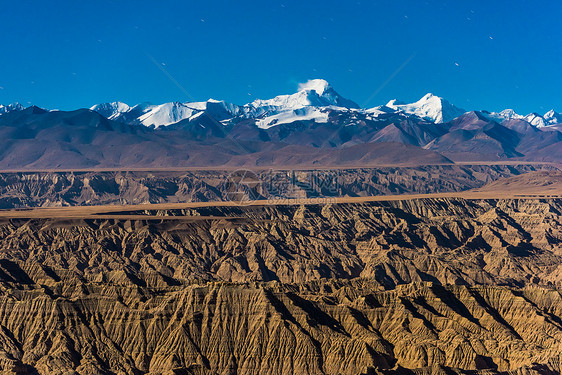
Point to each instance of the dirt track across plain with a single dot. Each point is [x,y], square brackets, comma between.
[121,211]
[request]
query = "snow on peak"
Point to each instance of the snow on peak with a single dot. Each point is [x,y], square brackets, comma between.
[111,110]
[552,117]
[315,92]
[165,114]
[536,120]
[169,113]
[509,114]
[429,96]
[318,85]
[429,107]
[506,114]
[10,108]
[307,104]
[393,103]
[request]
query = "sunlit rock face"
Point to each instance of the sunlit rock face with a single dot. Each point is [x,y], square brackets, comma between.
[431,285]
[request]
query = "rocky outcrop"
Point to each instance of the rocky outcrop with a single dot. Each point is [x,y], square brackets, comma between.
[322,327]
[47,189]
[512,242]
[420,286]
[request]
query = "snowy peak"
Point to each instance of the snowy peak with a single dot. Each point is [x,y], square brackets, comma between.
[10,108]
[168,113]
[111,110]
[321,93]
[509,114]
[506,114]
[308,103]
[429,107]
[174,112]
[394,103]
[552,117]
[315,92]
[315,100]
[164,114]
[428,97]
[535,119]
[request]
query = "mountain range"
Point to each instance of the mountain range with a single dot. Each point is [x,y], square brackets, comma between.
[305,103]
[314,126]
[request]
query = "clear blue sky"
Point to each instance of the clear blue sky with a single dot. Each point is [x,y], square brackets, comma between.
[478,54]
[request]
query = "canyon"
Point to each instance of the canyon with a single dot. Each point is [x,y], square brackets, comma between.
[413,285]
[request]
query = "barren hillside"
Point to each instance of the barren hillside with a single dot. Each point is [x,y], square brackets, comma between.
[431,285]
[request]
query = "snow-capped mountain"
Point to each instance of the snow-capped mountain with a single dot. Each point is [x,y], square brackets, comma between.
[305,104]
[509,114]
[169,113]
[316,92]
[535,119]
[315,117]
[111,111]
[506,114]
[10,108]
[165,114]
[146,114]
[552,117]
[429,107]
[310,102]
[315,101]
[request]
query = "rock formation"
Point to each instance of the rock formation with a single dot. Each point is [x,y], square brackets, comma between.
[423,286]
[71,188]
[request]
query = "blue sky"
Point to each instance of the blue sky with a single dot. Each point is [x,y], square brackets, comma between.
[478,54]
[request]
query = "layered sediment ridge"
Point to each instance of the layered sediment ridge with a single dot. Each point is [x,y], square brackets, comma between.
[324,327]
[424,285]
[512,242]
[72,188]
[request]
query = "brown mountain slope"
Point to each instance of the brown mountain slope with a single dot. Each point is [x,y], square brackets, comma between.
[35,139]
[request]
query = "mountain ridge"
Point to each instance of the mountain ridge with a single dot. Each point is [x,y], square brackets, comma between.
[309,127]
[309,102]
